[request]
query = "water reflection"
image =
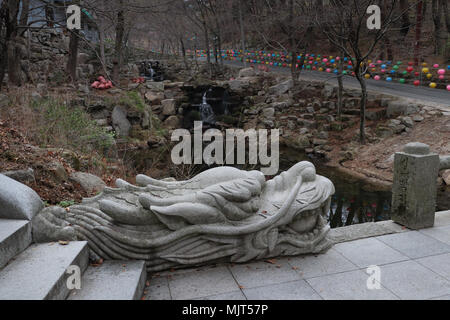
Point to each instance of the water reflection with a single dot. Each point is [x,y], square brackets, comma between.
[364,208]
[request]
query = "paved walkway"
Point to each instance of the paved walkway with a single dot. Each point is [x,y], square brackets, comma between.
[435,97]
[413,264]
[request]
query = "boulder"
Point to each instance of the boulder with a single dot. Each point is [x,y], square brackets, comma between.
[281,88]
[89,182]
[17,201]
[120,122]
[4,100]
[172,122]
[407,121]
[155,86]
[154,98]
[269,112]
[83,58]
[169,107]
[22,176]
[247,72]
[400,108]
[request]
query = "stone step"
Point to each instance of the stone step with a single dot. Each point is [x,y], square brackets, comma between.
[113,280]
[15,236]
[39,273]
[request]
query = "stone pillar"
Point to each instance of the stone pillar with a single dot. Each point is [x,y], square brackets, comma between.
[416,171]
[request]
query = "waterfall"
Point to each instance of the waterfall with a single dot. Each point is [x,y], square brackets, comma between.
[226,103]
[207,112]
[152,73]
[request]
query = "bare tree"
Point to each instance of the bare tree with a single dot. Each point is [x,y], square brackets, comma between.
[346,28]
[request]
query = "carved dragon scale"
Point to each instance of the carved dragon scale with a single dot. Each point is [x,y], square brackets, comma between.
[221,215]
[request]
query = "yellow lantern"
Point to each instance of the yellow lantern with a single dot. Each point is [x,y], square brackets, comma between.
[370,61]
[367,76]
[433,85]
[320,69]
[429,76]
[424,64]
[425,70]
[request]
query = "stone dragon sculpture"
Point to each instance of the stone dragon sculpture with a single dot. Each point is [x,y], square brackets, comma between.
[221,215]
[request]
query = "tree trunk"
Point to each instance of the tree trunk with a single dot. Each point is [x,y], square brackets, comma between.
[445,33]
[120,30]
[340,92]
[406,24]
[419,19]
[101,40]
[13,49]
[3,41]
[241,27]
[440,46]
[72,62]
[362,127]
[23,22]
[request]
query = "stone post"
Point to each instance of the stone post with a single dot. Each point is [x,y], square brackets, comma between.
[414,192]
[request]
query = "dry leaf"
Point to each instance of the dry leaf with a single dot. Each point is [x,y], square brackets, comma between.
[63,243]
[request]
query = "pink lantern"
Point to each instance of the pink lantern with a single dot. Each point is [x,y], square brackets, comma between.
[328,70]
[442,77]
[377,77]
[436,66]
[383,71]
[448,87]
[441,71]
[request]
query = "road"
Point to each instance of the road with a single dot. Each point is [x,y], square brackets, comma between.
[435,96]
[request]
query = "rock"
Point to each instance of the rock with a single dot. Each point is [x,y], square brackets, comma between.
[384,132]
[407,121]
[89,182]
[133,86]
[323,135]
[401,108]
[35,96]
[172,122]
[22,176]
[418,118]
[327,92]
[303,142]
[269,124]
[17,201]
[268,112]
[247,72]
[320,142]
[102,122]
[446,177]
[120,122]
[154,98]
[169,107]
[83,58]
[155,86]
[281,88]
[280,106]
[239,85]
[146,120]
[291,125]
[58,171]
[83,88]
